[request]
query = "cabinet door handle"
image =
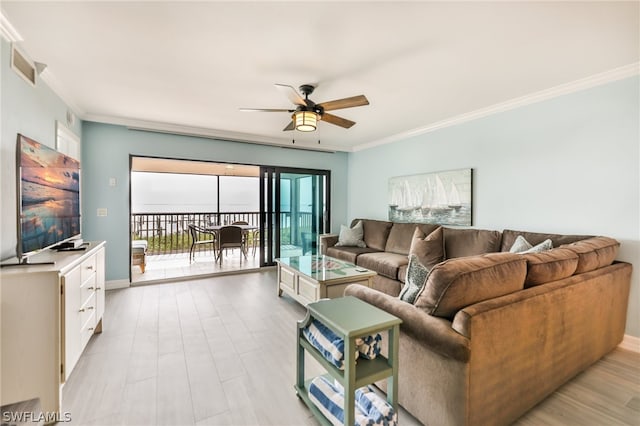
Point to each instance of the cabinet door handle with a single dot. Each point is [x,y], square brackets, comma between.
[89,307]
[89,288]
[81,310]
[98,288]
[90,267]
[90,328]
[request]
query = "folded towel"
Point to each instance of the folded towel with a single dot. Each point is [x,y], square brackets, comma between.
[330,401]
[329,344]
[375,407]
[372,405]
[369,346]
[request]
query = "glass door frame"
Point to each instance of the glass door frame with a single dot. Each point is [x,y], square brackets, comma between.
[270,212]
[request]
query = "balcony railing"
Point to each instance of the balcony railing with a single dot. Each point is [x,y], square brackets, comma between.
[168,233]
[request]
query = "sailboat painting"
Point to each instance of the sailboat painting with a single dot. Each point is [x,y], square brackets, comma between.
[442,198]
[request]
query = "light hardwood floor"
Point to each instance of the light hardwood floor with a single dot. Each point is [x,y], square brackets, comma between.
[221,351]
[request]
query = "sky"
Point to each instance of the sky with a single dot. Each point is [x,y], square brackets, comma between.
[181,193]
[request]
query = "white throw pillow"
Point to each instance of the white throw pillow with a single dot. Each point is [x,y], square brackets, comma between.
[351,237]
[522,246]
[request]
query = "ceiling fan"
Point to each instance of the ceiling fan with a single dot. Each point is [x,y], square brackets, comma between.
[307,113]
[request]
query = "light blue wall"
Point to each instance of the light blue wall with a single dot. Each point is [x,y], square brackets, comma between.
[105,154]
[32,111]
[566,165]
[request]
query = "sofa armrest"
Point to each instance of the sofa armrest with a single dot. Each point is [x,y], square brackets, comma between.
[433,333]
[326,241]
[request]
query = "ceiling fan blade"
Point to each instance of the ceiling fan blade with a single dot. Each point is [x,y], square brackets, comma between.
[351,102]
[291,93]
[266,110]
[338,121]
[291,126]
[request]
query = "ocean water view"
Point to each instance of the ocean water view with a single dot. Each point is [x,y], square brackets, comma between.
[48,216]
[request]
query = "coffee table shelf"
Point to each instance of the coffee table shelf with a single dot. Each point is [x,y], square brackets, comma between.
[350,318]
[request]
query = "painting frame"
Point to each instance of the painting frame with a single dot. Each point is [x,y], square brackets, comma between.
[441,198]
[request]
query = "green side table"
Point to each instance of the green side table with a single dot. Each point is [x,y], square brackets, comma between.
[350,318]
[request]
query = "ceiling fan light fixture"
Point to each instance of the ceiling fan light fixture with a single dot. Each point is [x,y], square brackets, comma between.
[306,121]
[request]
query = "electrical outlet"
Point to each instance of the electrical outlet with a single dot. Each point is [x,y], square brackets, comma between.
[102,212]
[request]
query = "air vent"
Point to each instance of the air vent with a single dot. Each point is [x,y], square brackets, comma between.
[23,66]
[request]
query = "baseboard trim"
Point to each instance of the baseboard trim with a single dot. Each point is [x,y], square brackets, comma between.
[630,343]
[116,284]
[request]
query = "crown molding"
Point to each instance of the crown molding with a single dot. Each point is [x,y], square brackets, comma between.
[8,31]
[59,89]
[201,132]
[553,92]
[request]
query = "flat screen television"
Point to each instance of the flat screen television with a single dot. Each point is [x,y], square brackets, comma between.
[48,197]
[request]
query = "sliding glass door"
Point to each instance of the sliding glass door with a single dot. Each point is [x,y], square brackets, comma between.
[294,207]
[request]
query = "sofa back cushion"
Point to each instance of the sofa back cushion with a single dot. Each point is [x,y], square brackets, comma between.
[534,238]
[457,283]
[550,265]
[376,232]
[348,254]
[594,253]
[470,242]
[400,236]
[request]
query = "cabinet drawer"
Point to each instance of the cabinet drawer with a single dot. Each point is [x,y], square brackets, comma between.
[287,279]
[87,312]
[87,330]
[88,288]
[87,268]
[308,290]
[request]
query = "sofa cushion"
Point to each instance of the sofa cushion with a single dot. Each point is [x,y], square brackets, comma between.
[522,246]
[383,263]
[428,248]
[402,273]
[594,253]
[550,265]
[376,232]
[387,285]
[399,240]
[470,242]
[416,279]
[456,283]
[509,237]
[351,237]
[348,254]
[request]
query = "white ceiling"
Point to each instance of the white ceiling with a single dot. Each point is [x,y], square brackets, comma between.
[189,66]
[191,167]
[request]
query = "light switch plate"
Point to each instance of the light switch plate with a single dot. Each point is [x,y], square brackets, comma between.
[102,212]
[112,181]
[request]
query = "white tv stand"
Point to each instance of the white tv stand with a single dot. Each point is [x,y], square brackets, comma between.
[48,314]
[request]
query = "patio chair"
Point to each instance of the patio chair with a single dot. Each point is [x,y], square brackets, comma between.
[255,236]
[198,238]
[230,237]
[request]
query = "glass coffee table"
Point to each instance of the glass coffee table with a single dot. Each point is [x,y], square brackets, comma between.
[308,279]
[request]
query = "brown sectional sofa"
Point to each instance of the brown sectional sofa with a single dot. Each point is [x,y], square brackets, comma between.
[493,333]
